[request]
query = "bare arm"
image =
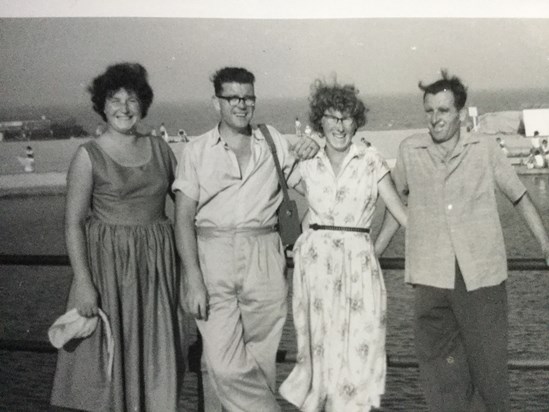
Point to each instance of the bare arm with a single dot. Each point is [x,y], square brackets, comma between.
[528,210]
[390,196]
[300,149]
[300,188]
[194,291]
[394,208]
[173,167]
[79,192]
[388,229]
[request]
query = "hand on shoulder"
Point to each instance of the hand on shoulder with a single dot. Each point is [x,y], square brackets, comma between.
[305,148]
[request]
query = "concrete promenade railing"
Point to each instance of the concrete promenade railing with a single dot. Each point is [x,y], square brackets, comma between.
[55,155]
[516,264]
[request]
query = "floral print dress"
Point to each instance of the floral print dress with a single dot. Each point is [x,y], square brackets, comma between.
[339,298]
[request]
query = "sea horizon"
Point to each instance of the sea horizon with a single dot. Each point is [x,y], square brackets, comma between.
[391,111]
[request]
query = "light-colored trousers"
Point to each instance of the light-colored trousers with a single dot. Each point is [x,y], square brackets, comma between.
[244,273]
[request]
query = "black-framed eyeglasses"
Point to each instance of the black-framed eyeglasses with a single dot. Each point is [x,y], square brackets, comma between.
[345,121]
[235,100]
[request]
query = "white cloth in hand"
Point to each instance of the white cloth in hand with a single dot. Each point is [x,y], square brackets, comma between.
[72,325]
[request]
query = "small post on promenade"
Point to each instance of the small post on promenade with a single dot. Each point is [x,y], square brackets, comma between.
[473,114]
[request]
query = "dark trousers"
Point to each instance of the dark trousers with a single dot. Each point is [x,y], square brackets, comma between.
[461,345]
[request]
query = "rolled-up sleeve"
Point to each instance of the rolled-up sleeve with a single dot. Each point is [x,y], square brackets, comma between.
[186,177]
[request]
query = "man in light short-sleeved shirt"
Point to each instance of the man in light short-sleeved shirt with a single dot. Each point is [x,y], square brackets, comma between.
[455,255]
[227,195]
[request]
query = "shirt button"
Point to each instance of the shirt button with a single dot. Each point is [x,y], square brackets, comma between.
[450,207]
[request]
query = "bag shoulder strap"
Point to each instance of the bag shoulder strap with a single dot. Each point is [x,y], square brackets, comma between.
[270,142]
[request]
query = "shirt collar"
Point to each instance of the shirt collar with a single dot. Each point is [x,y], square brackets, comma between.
[256,133]
[356,150]
[465,138]
[215,137]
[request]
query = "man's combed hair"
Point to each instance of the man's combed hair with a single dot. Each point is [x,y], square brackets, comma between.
[231,75]
[453,84]
[131,77]
[344,99]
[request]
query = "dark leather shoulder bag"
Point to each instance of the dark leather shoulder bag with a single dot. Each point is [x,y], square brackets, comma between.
[289,225]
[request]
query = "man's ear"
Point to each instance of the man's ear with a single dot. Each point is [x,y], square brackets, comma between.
[462,114]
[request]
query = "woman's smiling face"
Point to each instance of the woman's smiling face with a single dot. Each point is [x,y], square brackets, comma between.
[338,129]
[123,111]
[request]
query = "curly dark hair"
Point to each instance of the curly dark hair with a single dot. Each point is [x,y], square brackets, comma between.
[131,77]
[452,84]
[344,99]
[230,75]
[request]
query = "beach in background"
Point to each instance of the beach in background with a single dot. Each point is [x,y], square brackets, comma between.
[55,155]
[386,112]
[390,119]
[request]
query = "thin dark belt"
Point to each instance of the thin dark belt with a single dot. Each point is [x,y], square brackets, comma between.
[314,226]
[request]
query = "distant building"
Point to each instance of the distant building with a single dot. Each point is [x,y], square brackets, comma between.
[40,129]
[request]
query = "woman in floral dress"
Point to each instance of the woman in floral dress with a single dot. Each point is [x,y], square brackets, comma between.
[339,299]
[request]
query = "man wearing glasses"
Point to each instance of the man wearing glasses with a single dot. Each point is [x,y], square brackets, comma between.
[227,194]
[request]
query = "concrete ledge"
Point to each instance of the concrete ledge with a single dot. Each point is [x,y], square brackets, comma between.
[33,184]
[523,170]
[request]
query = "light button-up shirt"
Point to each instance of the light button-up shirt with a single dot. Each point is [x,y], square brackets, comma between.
[452,210]
[208,172]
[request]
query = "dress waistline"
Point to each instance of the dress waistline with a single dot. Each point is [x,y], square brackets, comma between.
[315,226]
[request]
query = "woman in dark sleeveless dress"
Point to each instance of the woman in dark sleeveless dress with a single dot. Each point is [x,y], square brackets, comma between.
[121,248]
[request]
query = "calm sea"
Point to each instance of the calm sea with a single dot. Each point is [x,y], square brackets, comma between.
[396,111]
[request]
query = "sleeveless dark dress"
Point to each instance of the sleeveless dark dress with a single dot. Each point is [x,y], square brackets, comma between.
[132,258]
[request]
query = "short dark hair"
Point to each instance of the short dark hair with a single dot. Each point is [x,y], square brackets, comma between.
[345,99]
[452,84]
[131,77]
[231,75]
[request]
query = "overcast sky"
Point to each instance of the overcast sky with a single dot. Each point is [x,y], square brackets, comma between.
[47,60]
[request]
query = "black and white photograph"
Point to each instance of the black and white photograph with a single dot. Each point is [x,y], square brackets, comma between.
[289,206]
